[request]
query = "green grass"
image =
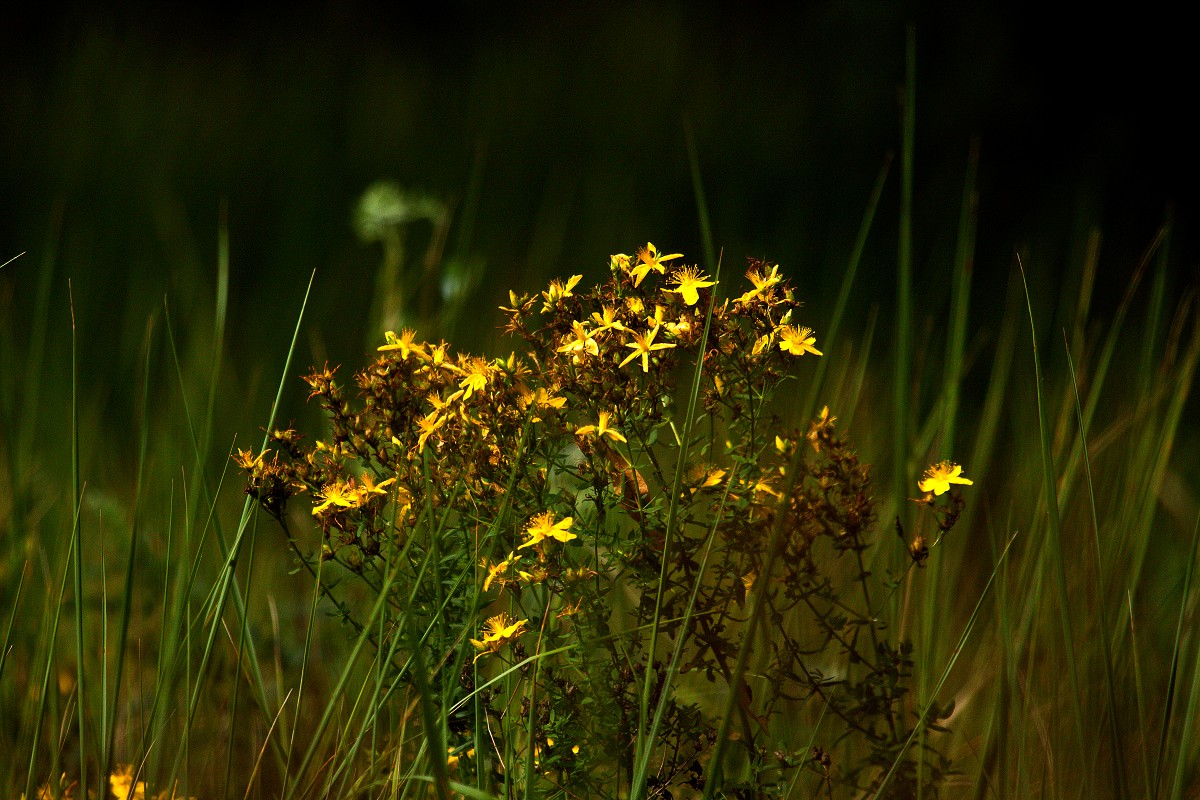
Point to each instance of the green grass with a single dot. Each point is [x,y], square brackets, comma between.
[1056,615]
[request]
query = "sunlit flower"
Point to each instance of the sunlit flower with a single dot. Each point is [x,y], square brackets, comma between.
[939,476]
[495,572]
[338,493]
[370,487]
[619,262]
[497,632]
[534,575]
[453,755]
[606,321]
[762,282]
[476,380]
[121,784]
[437,360]
[677,329]
[558,290]
[248,461]
[428,425]
[643,346]
[404,343]
[762,343]
[582,345]
[601,429]
[650,259]
[797,341]
[543,527]
[690,280]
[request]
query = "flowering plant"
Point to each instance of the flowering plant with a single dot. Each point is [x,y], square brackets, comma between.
[594,559]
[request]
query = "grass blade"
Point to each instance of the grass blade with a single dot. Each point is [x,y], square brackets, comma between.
[1058,566]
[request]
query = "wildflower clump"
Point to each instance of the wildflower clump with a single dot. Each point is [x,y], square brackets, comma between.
[578,556]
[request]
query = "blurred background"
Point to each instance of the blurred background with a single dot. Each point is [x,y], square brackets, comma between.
[527,141]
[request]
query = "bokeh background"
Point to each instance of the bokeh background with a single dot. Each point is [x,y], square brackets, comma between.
[554,132]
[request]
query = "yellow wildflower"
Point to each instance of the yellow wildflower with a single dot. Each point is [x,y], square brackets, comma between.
[762,343]
[762,283]
[121,784]
[939,476]
[558,290]
[797,341]
[543,527]
[689,281]
[428,425]
[650,259]
[619,262]
[606,321]
[370,487]
[338,493]
[454,754]
[635,305]
[820,428]
[583,343]
[476,380]
[601,429]
[247,460]
[495,572]
[404,343]
[643,346]
[497,632]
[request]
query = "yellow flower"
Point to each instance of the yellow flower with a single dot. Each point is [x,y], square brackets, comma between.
[583,343]
[495,572]
[762,283]
[635,305]
[797,341]
[543,527]
[120,782]
[601,429]
[820,428]
[606,321]
[619,262]
[650,259]
[370,487]
[497,632]
[762,343]
[558,291]
[690,280]
[454,754]
[404,343]
[428,425]
[338,493]
[247,460]
[643,346]
[476,379]
[939,477]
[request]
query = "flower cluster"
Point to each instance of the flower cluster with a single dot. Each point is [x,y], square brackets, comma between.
[559,502]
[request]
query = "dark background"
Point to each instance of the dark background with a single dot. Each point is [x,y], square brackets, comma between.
[123,130]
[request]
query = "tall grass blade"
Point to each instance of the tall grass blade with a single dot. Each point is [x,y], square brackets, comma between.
[1117,756]
[902,387]
[954,656]
[1176,649]
[12,618]
[77,552]
[1187,745]
[48,666]
[131,558]
[1058,560]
